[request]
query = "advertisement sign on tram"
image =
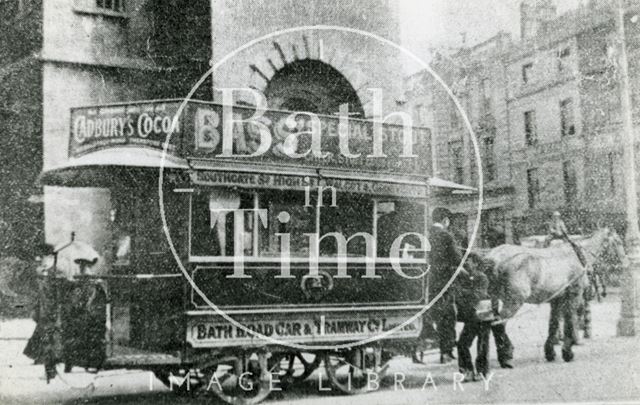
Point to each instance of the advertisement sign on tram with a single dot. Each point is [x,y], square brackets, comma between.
[138,124]
[280,137]
[214,332]
[210,131]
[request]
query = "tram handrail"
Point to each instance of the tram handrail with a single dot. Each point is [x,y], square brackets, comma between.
[127,276]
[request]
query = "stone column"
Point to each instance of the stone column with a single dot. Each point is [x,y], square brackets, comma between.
[629,322]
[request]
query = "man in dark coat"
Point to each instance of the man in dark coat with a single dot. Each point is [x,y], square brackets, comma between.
[444,260]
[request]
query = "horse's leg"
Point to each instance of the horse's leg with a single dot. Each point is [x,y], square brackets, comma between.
[569,306]
[580,321]
[587,320]
[554,323]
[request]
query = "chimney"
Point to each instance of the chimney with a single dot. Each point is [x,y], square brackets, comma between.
[533,14]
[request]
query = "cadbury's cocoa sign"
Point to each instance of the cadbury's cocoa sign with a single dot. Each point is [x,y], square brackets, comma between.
[143,124]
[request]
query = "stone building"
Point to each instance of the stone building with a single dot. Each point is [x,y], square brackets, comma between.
[21,125]
[476,78]
[553,107]
[59,54]
[565,118]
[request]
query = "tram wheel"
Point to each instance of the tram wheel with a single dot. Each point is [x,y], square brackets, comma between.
[355,371]
[178,381]
[293,368]
[242,379]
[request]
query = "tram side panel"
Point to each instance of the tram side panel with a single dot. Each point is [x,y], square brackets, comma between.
[336,297]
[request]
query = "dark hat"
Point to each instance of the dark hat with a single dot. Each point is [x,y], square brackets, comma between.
[439,214]
[45,249]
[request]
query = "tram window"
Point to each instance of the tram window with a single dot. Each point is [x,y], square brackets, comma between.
[352,214]
[212,223]
[301,217]
[394,218]
[122,219]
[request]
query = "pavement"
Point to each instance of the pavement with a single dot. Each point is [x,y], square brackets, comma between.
[606,369]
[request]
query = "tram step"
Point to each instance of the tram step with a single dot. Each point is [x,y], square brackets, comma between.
[125,356]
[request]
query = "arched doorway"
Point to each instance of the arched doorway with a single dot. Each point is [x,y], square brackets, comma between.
[313,86]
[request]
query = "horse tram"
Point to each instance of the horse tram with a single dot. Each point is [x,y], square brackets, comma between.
[300,249]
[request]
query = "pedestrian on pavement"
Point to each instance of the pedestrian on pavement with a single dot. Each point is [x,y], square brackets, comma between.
[444,260]
[557,229]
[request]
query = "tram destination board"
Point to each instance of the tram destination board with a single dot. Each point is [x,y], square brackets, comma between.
[214,331]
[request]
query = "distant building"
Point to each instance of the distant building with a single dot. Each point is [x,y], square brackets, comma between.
[476,78]
[546,114]
[565,119]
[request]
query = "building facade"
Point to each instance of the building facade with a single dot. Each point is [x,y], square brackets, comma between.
[546,113]
[476,81]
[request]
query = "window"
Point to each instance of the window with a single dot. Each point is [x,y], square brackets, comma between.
[610,53]
[111,8]
[10,8]
[418,114]
[563,59]
[352,214]
[488,159]
[116,6]
[485,96]
[454,118]
[137,240]
[457,161]
[533,187]
[394,218]
[612,171]
[527,70]
[570,182]
[213,223]
[567,124]
[530,136]
[265,220]
[492,228]
[473,166]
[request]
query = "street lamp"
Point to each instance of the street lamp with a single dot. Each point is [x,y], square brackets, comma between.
[629,322]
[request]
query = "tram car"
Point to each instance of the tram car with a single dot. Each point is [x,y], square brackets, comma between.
[240,253]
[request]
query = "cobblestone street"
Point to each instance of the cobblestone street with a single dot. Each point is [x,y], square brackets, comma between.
[606,369]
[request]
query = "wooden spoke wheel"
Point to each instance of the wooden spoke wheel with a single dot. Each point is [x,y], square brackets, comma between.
[293,368]
[242,379]
[355,371]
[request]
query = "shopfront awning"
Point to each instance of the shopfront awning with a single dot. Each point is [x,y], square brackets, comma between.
[86,169]
[453,187]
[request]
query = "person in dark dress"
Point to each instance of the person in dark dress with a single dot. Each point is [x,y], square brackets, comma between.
[444,260]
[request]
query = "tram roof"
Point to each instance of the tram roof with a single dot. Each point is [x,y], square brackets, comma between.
[83,170]
[136,135]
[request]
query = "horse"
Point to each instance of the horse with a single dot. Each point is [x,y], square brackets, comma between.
[554,275]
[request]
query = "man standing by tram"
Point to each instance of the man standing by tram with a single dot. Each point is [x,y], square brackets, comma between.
[444,260]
